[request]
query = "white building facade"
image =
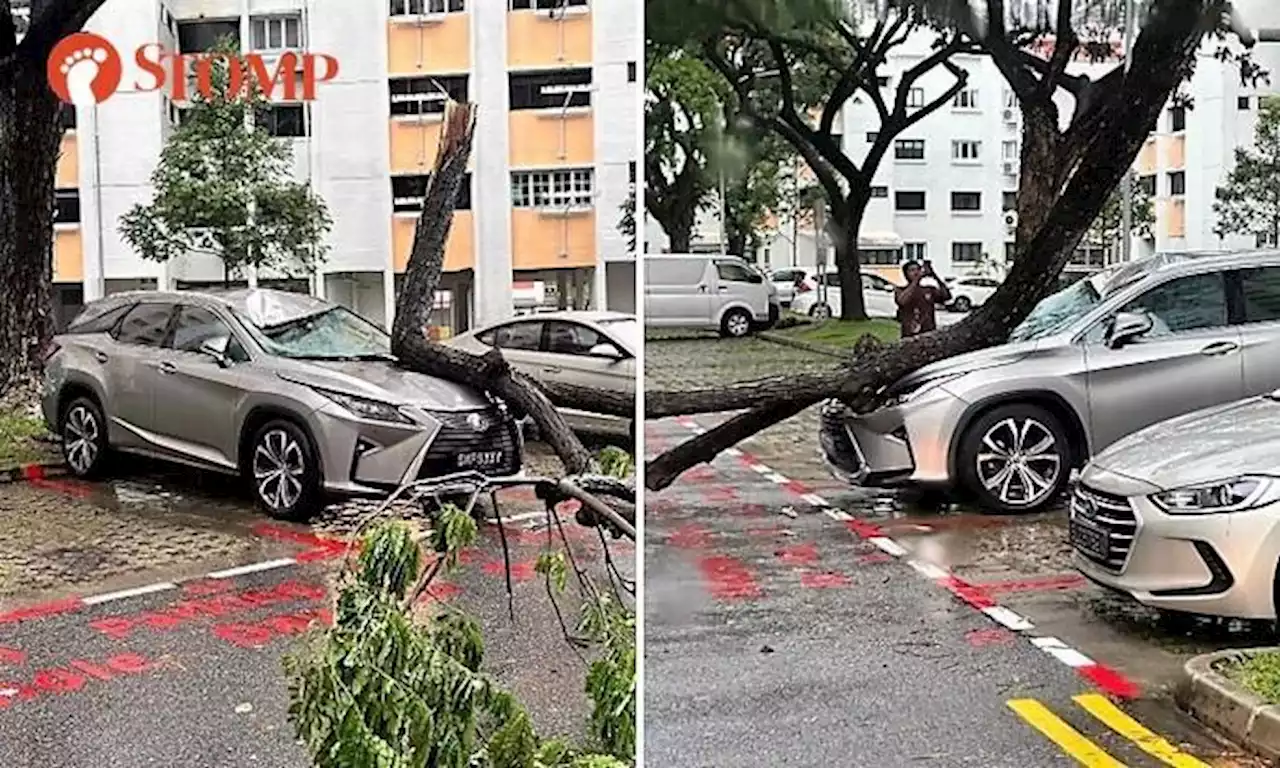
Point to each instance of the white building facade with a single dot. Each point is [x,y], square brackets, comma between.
[556,83]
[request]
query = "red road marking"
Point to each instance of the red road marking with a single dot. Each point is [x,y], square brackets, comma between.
[754,510]
[700,474]
[980,638]
[719,494]
[727,578]
[440,591]
[12,656]
[825,580]
[261,633]
[1039,584]
[520,572]
[32,472]
[58,680]
[975,596]
[321,547]
[798,554]
[67,487]
[771,530]
[1109,681]
[863,530]
[689,536]
[40,610]
[874,558]
[185,611]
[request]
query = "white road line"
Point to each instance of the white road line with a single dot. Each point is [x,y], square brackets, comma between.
[734,452]
[815,500]
[1047,642]
[928,570]
[777,478]
[125,593]
[1071,657]
[1008,618]
[254,568]
[517,518]
[888,545]
[9,692]
[762,469]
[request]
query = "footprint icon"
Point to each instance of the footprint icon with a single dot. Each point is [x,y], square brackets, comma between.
[81,69]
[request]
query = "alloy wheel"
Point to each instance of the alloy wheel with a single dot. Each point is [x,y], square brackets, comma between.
[1019,461]
[738,324]
[278,469]
[80,439]
[821,312]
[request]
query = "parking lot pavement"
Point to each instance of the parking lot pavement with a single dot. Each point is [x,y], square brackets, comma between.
[697,359]
[165,666]
[794,622]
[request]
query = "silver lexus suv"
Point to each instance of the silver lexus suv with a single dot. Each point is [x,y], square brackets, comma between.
[298,395]
[1113,353]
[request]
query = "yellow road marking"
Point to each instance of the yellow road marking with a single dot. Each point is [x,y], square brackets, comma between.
[1056,730]
[1101,707]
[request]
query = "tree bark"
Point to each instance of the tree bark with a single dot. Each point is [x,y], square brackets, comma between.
[844,228]
[1094,163]
[422,275]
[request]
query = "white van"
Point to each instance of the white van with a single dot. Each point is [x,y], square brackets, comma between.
[694,290]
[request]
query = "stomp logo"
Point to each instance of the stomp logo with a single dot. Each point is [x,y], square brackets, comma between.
[86,69]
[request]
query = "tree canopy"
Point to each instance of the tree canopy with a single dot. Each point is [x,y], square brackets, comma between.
[1249,202]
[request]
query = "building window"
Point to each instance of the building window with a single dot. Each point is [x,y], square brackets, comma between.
[915,98]
[1010,250]
[1010,201]
[426,95]
[879,191]
[421,7]
[1242,103]
[283,120]
[1177,119]
[66,206]
[546,5]
[872,136]
[631,71]
[201,36]
[67,116]
[965,150]
[1148,185]
[1178,183]
[908,149]
[909,201]
[915,251]
[966,252]
[966,201]
[408,192]
[966,99]
[276,33]
[1010,99]
[1009,150]
[528,90]
[568,188]
[631,172]
[878,257]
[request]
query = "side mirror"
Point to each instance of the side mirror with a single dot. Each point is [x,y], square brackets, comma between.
[217,349]
[606,350]
[755,279]
[1128,326]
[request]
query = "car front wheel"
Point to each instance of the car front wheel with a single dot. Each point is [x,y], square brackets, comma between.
[284,471]
[736,324]
[820,312]
[84,437]
[1015,459]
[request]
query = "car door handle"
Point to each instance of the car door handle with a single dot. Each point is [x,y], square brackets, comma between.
[100,356]
[168,368]
[724,289]
[702,289]
[552,369]
[1220,348]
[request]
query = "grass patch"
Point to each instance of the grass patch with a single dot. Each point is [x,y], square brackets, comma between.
[19,440]
[842,333]
[1260,674]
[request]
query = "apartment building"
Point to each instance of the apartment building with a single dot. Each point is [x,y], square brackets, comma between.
[946,191]
[554,159]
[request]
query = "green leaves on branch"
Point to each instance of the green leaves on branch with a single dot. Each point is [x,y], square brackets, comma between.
[616,462]
[224,186]
[1249,202]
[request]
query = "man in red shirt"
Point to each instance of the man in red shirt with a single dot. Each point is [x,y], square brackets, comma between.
[918,301]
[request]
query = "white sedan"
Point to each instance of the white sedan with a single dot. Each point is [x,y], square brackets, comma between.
[970,292]
[587,349]
[792,282]
[877,294]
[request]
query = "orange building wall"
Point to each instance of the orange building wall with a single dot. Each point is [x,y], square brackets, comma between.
[534,40]
[69,163]
[538,240]
[440,47]
[459,251]
[68,256]
[535,137]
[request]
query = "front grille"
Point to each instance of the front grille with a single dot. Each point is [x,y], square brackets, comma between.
[836,441]
[1112,515]
[457,436]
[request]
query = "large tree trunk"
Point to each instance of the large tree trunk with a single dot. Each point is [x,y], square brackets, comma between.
[1097,160]
[426,265]
[30,135]
[846,221]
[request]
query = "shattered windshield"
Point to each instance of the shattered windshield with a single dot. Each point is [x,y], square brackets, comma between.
[334,334]
[1059,311]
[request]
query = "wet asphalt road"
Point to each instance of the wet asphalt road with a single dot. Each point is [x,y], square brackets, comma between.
[192,676]
[776,636]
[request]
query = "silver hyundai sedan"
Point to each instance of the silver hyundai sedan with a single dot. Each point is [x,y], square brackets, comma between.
[1116,352]
[1185,515]
[299,396]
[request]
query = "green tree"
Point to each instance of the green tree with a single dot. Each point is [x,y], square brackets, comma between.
[755,182]
[683,126]
[224,185]
[1249,202]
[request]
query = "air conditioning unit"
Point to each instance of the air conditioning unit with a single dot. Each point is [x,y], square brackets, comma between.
[1009,115]
[1010,168]
[1011,221]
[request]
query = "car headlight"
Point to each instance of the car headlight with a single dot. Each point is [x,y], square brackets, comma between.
[903,395]
[366,408]
[1234,495]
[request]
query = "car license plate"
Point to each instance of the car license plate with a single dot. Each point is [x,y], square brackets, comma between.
[1090,539]
[479,459]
